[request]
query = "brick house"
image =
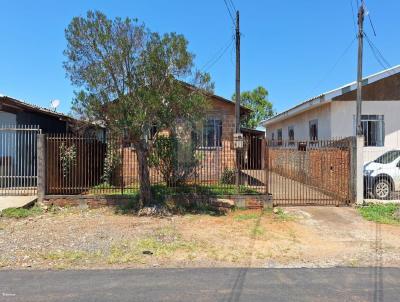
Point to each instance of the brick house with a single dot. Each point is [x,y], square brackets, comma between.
[215,145]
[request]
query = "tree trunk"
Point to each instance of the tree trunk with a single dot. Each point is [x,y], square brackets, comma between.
[142,153]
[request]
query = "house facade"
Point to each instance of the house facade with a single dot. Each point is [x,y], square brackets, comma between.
[332,115]
[214,145]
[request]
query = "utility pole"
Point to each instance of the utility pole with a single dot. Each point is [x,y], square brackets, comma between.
[359,189]
[361,14]
[237,104]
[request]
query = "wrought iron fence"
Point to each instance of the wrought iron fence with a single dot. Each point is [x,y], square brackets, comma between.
[92,165]
[18,159]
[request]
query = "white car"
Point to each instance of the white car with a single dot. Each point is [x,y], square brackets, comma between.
[382,176]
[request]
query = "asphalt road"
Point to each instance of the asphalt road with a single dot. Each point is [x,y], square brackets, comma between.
[335,284]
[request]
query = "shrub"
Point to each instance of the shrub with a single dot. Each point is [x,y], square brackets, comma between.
[175,160]
[228,176]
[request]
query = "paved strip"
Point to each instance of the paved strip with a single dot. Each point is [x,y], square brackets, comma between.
[335,284]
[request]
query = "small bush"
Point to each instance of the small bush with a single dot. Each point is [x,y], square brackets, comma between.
[21,212]
[228,176]
[174,159]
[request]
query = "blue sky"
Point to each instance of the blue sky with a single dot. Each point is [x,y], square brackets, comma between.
[289,47]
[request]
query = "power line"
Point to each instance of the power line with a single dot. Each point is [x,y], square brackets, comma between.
[354,18]
[232,5]
[229,12]
[378,54]
[336,63]
[372,25]
[218,56]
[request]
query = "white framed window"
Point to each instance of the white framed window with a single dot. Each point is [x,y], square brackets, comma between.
[373,127]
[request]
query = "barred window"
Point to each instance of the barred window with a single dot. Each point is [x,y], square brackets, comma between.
[279,136]
[313,130]
[291,133]
[373,127]
[212,133]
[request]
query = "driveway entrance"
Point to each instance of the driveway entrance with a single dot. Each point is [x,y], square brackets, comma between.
[309,173]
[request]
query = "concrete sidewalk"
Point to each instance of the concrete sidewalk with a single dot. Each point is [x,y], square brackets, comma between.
[15,201]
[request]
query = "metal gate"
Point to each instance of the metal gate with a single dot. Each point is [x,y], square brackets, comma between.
[310,172]
[18,160]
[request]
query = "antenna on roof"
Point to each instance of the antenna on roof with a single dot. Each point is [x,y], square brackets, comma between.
[54,104]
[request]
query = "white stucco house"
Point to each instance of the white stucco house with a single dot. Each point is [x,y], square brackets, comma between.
[332,115]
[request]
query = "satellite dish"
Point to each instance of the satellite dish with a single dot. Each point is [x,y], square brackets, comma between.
[54,104]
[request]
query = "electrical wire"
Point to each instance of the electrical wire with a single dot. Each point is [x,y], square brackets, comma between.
[377,54]
[354,18]
[218,56]
[336,63]
[229,12]
[232,5]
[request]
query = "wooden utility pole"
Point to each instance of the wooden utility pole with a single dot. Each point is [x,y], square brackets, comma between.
[237,101]
[361,14]
[237,104]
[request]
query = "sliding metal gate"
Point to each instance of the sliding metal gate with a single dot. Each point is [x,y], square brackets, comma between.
[18,160]
[309,173]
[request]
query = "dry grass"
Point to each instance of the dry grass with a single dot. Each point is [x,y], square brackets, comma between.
[99,238]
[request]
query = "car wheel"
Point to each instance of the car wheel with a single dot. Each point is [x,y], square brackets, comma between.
[382,189]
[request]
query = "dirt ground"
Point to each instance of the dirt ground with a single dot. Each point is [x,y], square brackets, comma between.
[296,237]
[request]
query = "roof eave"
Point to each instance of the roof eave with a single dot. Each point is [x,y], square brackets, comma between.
[329,96]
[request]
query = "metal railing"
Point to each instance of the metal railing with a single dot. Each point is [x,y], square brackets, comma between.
[91,165]
[309,172]
[18,159]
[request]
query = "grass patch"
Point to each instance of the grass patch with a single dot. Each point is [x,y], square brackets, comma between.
[381,213]
[67,256]
[282,215]
[161,190]
[163,243]
[107,189]
[246,216]
[257,231]
[21,212]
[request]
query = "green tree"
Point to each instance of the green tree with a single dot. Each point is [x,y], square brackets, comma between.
[130,79]
[257,101]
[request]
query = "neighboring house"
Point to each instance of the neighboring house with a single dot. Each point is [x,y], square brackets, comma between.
[19,113]
[332,115]
[18,147]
